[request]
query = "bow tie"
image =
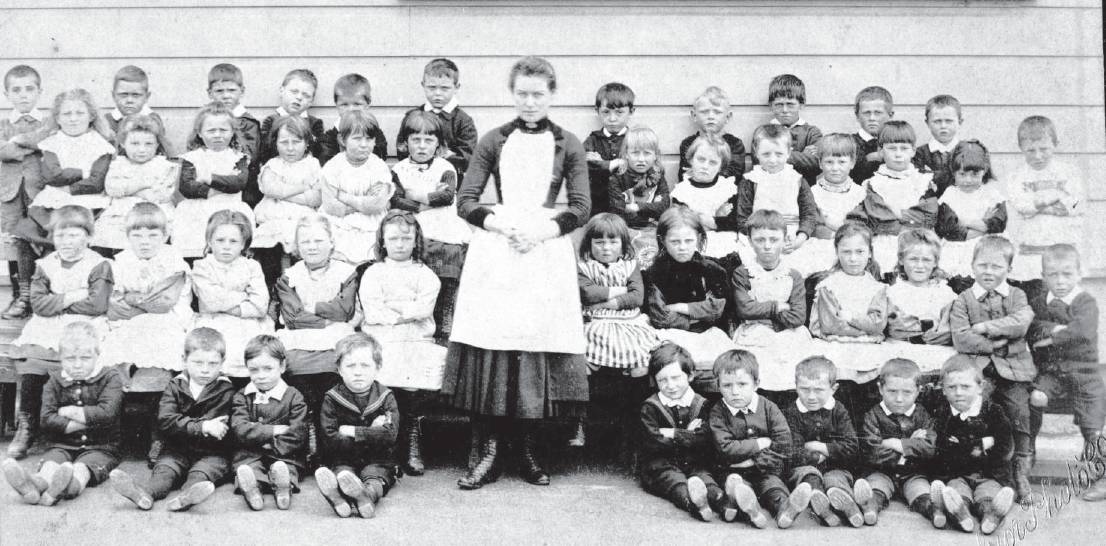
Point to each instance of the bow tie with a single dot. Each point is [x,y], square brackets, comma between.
[262,397]
[990,294]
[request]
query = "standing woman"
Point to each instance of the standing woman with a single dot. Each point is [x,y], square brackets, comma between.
[516,354]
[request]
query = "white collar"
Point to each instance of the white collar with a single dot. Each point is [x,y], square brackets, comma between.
[118,116]
[864,135]
[608,134]
[683,401]
[448,108]
[282,112]
[889,413]
[239,111]
[935,146]
[35,114]
[275,393]
[829,405]
[1002,289]
[797,123]
[751,408]
[195,389]
[1066,299]
[973,411]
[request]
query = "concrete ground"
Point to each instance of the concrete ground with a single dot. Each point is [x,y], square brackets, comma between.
[590,502]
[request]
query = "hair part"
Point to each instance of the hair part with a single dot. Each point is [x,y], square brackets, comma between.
[713,96]
[852,228]
[837,145]
[352,342]
[141,123]
[972,155]
[961,363]
[132,74]
[774,132]
[670,353]
[301,74]
[606,225]
[535,67]
[205,339]
[677,217]
[21,71]
[405,220]
[735,360]
[225,72]
[296,125]
[442,68]
[994,243]
[213,109]
[313,220]
[816,367]
[944,101]
[874,92]
[913,238]
[641,138]
[786,86]
[714,143]
[353,84]
[228,217]
[901,368]
[267,345]
[96,122]
[615,95]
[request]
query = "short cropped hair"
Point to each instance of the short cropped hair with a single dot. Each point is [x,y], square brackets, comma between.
[717,144]
[1037,128]
[735,360]
[352,342]
[901,368]
[205,339]
[264,344]
[961,363]
[357,122]
[787,86]
[532,66]
[897,131]
[615,95]
[837,145]
[146,215]
[1061,252]
[225,72]
[874,92]
[943,101]
[771,131]
[77,333]
[133,74]
[667,353]
[996,243]
[352,84]
[765,219]
[442,68]
[21,71]
[72,216]
[302,74]
[714,96]
[815,367]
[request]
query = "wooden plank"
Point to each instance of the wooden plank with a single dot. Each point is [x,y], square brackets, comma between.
[640,4]
[658,81]
[995,126]
[739,29]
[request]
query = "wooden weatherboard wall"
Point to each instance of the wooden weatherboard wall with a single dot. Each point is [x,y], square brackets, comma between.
[1003,59]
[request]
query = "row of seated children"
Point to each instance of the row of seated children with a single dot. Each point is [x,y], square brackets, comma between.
[273,168]
[695,301]
[878,175]
[950,462]
[141,304]
[213,430]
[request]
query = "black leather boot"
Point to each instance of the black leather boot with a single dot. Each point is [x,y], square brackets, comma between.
[531,471]
[486,469]
[30,403]
[414,466]
[20,307]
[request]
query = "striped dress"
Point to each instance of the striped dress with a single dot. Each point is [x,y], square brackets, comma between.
[616,338]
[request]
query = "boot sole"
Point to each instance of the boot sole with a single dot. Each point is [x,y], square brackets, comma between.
[862,492]
[247,483]
[797,501]
[124,484]
[57,485]
[328,486]
[743,496]
[282,484]
[936,490]
[697,491]
[957,507]
[1000,505]
[844,503]
[352,487]
[20,481]
[192,496]
[820,505]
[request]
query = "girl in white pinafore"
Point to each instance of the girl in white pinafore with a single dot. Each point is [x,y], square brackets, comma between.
[291,184]
[972,207]
[213,174]
[151,304]
[517,346]
[140,173]
[357,188]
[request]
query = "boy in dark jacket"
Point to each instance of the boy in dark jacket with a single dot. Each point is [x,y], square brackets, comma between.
[360,419]
[193,417]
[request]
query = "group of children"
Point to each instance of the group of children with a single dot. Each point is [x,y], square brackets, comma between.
[767,259]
